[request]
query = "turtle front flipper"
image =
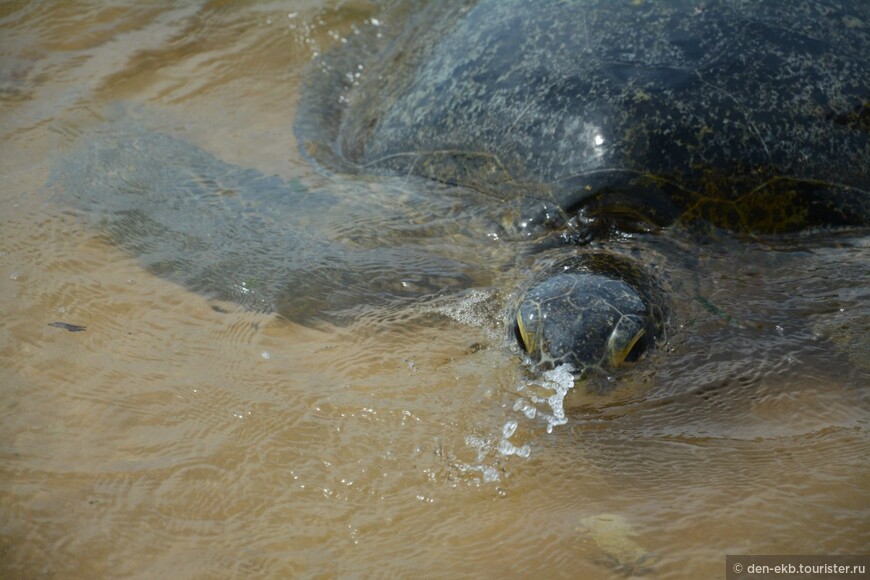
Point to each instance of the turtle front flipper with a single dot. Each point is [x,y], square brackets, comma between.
[238,235]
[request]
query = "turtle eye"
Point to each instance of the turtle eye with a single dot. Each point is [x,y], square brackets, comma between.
[628,341]
[524,337]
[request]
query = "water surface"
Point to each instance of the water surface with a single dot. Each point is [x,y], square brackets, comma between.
[185,435]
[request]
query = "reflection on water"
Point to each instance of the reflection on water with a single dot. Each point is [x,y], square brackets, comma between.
[184,435]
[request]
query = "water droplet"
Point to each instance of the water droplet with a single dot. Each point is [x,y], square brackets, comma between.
[490,474]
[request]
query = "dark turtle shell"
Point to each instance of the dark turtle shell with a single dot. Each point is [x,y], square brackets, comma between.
[753,116]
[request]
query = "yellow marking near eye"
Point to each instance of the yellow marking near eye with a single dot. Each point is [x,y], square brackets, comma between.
[528,339]
[618,357]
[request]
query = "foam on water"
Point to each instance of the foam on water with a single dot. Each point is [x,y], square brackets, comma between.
[473,308]
[488,471]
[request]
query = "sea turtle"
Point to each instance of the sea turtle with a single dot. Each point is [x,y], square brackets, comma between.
[560,128]
[597,118]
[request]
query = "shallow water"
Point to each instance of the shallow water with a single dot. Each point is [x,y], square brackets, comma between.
[185,436]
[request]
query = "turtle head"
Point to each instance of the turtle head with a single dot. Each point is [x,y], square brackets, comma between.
[593,312]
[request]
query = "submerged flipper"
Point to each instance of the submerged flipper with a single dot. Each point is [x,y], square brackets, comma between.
[239,235]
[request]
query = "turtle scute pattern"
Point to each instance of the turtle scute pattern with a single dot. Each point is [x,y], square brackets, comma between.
[749,116]
[585,310]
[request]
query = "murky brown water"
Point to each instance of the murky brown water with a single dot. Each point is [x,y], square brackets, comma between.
[176,439]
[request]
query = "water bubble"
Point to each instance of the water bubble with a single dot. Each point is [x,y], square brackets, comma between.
[561,380]
[509,429]
[507,448]
[550,392]
[526,408]
[482,445]
[490,474]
